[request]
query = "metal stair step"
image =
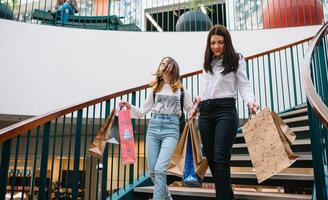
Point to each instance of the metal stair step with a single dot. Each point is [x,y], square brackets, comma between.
[279,176]
[202,192]
[296,119]
[294,112]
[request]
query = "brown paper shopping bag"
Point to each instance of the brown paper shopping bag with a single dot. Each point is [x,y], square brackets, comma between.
[98,145]
[268,141]
[177,163]
[201,164]
[112,131]
[289,134]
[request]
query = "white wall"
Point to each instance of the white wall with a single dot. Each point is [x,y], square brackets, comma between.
[43,68]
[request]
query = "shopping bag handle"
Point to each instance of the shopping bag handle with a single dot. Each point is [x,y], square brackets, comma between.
[251,115]
[124,108]
[192,118]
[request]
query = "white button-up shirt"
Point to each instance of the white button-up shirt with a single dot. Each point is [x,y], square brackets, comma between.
[217,85]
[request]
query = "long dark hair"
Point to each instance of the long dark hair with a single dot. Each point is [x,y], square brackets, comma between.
[229,56]
[175,81]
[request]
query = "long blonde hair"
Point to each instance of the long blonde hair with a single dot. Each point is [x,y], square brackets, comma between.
[175,81]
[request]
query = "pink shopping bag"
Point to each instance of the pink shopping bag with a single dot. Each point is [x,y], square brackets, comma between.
[126,137]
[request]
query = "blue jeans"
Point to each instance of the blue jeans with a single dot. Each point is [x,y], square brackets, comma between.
[218,123]
[161,141]
[65,11]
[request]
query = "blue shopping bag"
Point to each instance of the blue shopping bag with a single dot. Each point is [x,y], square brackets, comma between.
[190,178]
[188,161]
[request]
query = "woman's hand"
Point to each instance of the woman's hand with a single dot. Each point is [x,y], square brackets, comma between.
[192,114]
[253,107]
[197,100]
[194,109]
[124,104]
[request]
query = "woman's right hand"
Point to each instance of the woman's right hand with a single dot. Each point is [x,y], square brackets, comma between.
[194,110]
[197,100]
[125,104]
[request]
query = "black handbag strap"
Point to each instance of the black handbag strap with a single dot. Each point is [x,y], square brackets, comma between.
[182,99]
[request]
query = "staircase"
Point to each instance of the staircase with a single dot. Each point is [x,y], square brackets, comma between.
[296,182]
[40,155]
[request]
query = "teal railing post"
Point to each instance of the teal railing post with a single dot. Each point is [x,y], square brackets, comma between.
[4,167]
[77,147]
[270,83]
[35,159]
[131,172]
[13,180]
[293,73]
[105,159]
[317,156]
[44,162]
[247,73]
[26,159]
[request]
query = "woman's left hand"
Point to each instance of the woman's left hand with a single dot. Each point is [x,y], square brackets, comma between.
[253,107]
[124,104]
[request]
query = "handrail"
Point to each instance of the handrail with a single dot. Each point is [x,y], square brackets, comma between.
[279,48]
[15,129]
[21,127]
[315,101]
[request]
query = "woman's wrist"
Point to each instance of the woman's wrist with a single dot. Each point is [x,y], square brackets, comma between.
[195,108]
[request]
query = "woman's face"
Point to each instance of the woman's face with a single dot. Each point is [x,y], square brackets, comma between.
[166,68]
[217,45]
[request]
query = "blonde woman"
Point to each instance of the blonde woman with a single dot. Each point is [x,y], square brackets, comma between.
[164,101]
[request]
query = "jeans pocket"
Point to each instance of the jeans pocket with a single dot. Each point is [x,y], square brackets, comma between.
[153,123]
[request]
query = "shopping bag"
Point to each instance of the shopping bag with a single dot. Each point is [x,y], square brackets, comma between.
[189,162]
[200,161]
[112,131]
[176,165]
[126,137]
[289,134]
[268,141]
[98,145]
[190,178]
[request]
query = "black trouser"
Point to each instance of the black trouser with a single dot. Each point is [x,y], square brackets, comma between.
[218,123]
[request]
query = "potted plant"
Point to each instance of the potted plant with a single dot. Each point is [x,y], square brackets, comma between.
[195,19]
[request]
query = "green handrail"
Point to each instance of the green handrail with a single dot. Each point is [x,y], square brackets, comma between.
[315,81]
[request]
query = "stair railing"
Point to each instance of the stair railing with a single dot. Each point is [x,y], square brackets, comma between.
[315,82]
